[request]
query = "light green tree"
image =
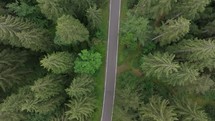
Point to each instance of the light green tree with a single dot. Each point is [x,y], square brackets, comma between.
[172,31]
[158,109]
[186,75]
[197,49]
[59,62]
[80,109]
[70,31]
[53,9]
[87,62]
[81,86]
[159,65]
[94,16]
[190,111]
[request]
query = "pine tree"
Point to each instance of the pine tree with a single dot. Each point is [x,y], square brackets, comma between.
[190,8]
[186,75]
[201,85]
[197,49]
[59,62]
[80,109]
[54,9]
[81,86]
[209,28]
[158,110]
[70,31]
[159,65]
[11,68]
[47,87]
[190,111]
[22,33]
[172,31]
[94,16]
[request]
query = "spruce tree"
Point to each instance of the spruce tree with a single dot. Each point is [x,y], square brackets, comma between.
[23,33]
[172,31]
[70,31]
[158,110]
[81,86]
[190,111]
[159,65]
[59,62]
[94,16]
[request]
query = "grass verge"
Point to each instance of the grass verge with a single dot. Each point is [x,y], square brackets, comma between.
[100,76]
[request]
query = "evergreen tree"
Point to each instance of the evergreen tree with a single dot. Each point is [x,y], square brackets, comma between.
[80,109]
[47,87]
[81,86]
[158,110]
[70,31]
[94,16]
[197,49]
[136,26]
[209,28]
[190,111]
[159,65]
[172,31]
[12,70]
[88,62]
[186,75]
[54,9]
[59,62]
[22,33]
[190,8]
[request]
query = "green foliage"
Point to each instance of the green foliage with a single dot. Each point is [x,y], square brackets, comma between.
[80,109]
[139,32]
[159,65]
[173,30]
[47,87]
[53,9]
[201,85]
[129,41]
[154,8]
[88,62]
[70,31]
[80,87]
[94,16]
[158,110]
[59,62]
[190,8]
[209,28]
[190,110]
[22,33]
[186,75]
[21,8]
[197,49]
[11,68]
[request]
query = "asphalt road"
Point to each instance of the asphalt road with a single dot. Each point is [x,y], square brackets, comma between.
[111,60]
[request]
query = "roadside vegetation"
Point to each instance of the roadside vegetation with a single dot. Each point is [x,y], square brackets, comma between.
[52,59]
[166,61]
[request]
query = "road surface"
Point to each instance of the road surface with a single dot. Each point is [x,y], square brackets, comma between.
[111,60]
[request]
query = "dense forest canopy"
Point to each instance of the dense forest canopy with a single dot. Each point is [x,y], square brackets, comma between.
[50,54]
[166,62]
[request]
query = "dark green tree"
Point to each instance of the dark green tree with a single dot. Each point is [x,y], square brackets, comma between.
[23,33]
[94,16]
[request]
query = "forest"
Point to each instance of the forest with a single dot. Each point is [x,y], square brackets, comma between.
[166,61]
[52,56]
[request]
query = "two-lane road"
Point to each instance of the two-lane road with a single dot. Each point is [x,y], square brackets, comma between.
[111,60]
